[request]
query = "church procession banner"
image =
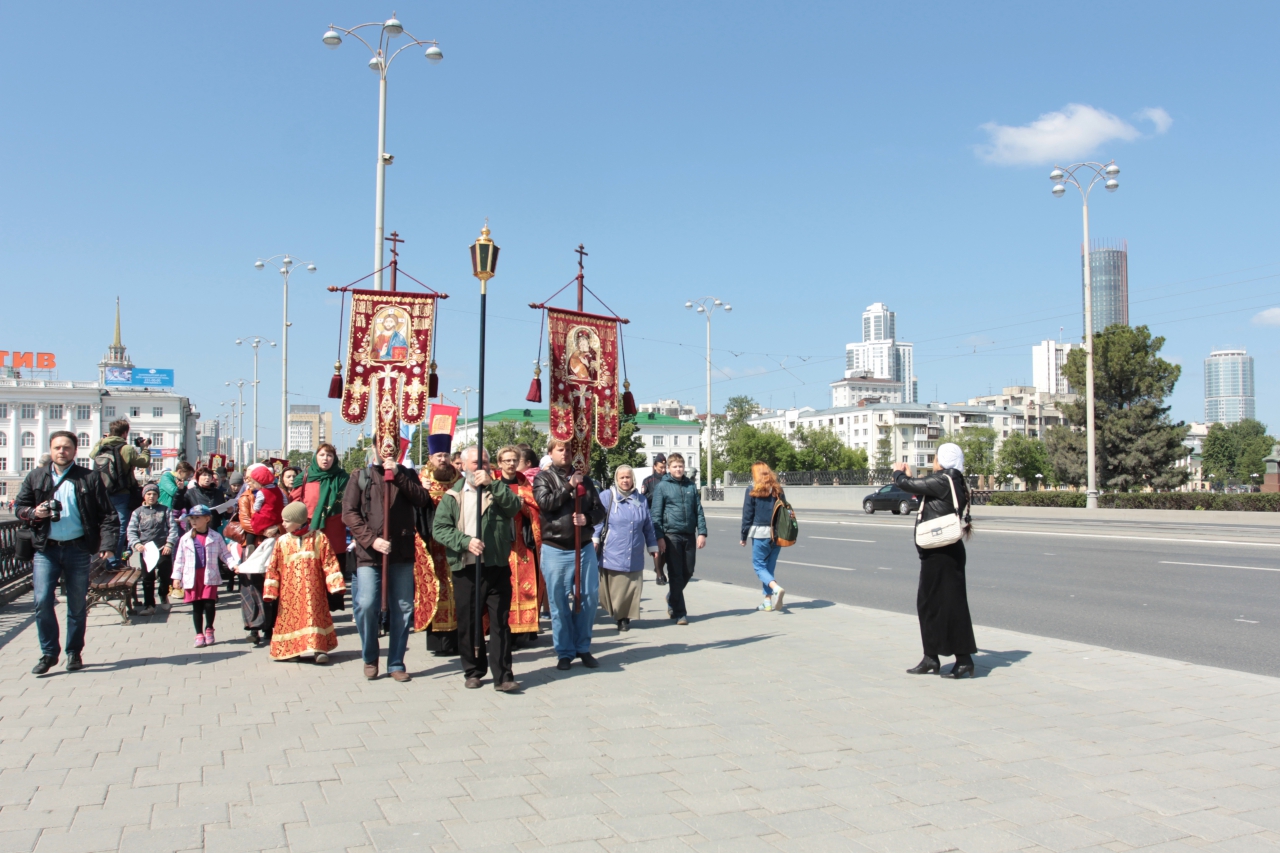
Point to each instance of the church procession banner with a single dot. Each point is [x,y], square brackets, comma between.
[388,351]
[584,380]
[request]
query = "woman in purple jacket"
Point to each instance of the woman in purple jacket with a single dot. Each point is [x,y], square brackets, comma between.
[621,540]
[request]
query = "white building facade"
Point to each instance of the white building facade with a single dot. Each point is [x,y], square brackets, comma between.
[1047,360]
[879,354]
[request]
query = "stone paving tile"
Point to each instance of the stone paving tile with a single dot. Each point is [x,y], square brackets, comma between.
[664,748]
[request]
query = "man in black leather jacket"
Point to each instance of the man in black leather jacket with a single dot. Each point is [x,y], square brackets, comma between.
[554,490]
[87,524]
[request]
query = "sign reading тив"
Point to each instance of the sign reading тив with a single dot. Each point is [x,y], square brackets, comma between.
[139,377]
[36,360]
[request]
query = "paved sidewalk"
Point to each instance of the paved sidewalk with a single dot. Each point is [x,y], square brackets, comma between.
[745,731]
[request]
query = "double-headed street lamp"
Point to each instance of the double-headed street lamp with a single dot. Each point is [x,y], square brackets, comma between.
[707,306]
[287,263]
[1091,173]
[379,64]
[255,342]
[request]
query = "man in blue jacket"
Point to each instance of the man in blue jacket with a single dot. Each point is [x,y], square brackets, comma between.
[679,523]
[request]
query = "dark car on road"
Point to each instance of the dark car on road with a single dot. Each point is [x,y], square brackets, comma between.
[891,498]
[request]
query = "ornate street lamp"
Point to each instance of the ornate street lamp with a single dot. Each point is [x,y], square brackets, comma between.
[484,264]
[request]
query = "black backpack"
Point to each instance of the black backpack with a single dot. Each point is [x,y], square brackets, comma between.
[115,475]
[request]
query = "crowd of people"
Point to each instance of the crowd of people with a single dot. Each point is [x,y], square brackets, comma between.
[456,551]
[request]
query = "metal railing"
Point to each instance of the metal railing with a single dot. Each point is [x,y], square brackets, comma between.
[852,477]
[713,494]
[11,568]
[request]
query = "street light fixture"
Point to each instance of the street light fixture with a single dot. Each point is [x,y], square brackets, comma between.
[255,342]
[1090,173]
[380,63]
[287,263]
[240,459]
[707,305]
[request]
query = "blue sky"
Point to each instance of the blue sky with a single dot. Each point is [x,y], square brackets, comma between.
[799,162]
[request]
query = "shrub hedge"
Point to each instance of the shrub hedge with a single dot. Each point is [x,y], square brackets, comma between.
[1247,502]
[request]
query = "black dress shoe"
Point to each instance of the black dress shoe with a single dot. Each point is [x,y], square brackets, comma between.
[45,663]
[588,661]
[564,663]
[926,666]
[74,662]
[624,625]
[960,670]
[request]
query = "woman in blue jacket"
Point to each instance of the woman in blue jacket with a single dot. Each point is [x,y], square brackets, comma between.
[757,525]
[621,540]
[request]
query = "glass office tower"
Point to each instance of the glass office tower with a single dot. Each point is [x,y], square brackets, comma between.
[1228,387]
[1109,269]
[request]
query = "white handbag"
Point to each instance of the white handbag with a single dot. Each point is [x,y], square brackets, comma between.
[256,563]
[943,530]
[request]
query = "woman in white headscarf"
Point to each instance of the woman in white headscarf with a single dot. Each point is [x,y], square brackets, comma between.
[942,602]
[621,541]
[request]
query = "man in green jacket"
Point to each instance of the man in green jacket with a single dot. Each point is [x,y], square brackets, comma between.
[454,527]
[678,519]
[118,474]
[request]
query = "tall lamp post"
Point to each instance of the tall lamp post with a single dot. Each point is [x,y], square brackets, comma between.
[707,306]
[229,443]
[379,64]
[239,384]
[255,342]
[484,263]
[466,402]
[1090,174]
[287,263]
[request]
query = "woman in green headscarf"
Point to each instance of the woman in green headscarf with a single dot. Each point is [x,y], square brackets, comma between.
[321,490]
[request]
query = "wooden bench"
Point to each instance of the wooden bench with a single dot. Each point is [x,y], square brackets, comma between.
[115,588]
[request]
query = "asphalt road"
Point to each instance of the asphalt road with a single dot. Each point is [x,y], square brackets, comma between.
[1208,594]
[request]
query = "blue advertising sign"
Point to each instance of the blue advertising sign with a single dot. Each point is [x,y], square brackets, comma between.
[139,377]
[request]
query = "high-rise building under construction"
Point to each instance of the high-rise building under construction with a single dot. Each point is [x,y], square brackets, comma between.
[1109,270]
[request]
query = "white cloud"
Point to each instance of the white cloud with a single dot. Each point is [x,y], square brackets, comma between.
[1270,317]
[1157,116]
[1077,130]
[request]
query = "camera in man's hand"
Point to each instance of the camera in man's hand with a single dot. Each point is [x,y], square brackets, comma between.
[141,443]
[55,509]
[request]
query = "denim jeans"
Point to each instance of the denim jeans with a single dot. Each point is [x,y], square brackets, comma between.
[570,631]
[366,600]
[121,503]
[72,565]
[764,559]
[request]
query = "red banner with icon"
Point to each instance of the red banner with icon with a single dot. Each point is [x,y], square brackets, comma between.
[584,380]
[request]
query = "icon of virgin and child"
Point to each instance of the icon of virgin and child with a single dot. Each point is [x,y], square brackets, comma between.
[585,359]
[389,341]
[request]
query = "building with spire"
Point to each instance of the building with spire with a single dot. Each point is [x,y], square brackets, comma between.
[116,355]
[32,409]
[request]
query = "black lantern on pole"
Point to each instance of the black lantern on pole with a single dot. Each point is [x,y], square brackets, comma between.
[484,263]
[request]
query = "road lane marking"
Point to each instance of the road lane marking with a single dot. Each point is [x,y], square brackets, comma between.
[839,539]
[1250,621]
[819,566]
[1218,566]
[981,529]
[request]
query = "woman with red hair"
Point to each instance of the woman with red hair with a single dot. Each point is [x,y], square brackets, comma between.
[757,525]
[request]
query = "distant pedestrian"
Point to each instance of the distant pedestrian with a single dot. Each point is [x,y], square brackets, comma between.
[71,518]
[942,602]
[173,486]
[621,540]
[681,529]
[646,488]
[757,527]
[155,523]
[197,570]
[555,489]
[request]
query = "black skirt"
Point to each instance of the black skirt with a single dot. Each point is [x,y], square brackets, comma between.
[943,604]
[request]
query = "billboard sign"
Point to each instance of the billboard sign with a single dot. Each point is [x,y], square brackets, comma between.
[139,377]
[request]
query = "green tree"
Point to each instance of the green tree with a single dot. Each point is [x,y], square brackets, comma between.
[979,446]
[626,452]
[301,459]
[745,444]
[739,408]
[1137,444]
[1067,457]
[508,432]
[357,456]
[884,455]
[1236,451]
[1024,458]
[821,449]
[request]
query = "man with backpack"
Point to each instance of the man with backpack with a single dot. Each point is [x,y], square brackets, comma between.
[70,519]
[679,523]
[367,493]
[115,459]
